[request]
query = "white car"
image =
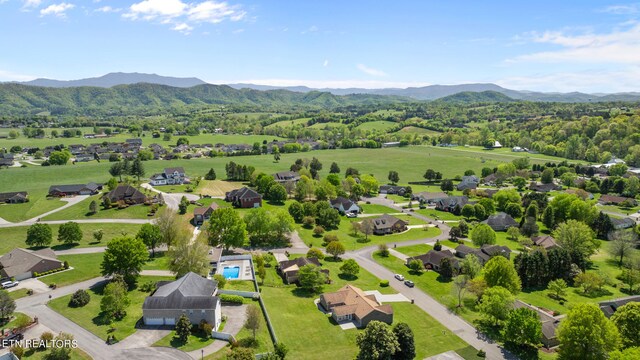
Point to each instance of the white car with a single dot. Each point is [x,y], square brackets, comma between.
[399,277]
[352,215]
[9,284]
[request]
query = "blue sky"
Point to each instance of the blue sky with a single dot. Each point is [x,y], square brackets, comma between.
[591,46]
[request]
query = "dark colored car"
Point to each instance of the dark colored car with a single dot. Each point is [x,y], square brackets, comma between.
[409,283]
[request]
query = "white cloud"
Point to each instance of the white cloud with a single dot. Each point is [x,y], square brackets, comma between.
[181,15]
[589,81]
[627,9]
[108,9]
[58,10]
[617,46]
[320,84]
[11,76]
[183,28]
[370,71]
[31,3]
[325,63]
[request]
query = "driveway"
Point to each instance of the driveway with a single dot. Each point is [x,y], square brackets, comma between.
[70,201]
[236,316]
[36,285]
[172,200]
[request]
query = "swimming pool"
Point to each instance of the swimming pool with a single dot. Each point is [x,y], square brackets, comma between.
[232,272]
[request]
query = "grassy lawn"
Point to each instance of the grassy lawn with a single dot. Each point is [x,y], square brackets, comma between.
[16,318]
[352,242]
[240,285]
[13,237]
[76,354]
[377,209]
[217,187]
[91,318]
[293,313]
[17,294]
[85,267]
[196,340]
[81,211]
[439,215]
[414,250]
[160,262]
[38,204]
[376,125]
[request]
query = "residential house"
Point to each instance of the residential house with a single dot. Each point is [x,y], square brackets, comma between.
[21,264]
[490,180]
[202,214]
[286,176]
[624,223]
[344,205]
[288,269]
[393,189]
[534,186]
[584,195]
[485,252]
[126,194]
[6,159]
[18,197]
[136,142]
[85,157]
[73,190]
[191,295]
[387,224]
[611,306]
[500,221]
[244,198]
[545,241]
[468,182]
[428,197]
[432,260]
[549,324]
[450,203]
[352,304]
[616,200]
[169,176]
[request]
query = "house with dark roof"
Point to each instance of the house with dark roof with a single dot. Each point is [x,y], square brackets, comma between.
[125,194]
[500,221]
[549,324]
[244,198]
[288,269]
[18,197]
[387,224]
[611,306]
[534,186]
[490,180]
[202,214]
[134,142]
[286,176]
[545,241]
[393,189]
[352,304]
[74,190]
[484,253]
[468,182]
[433,259]
[450,203]
[344,205]
[616,200]
[21,264]
[428,197]
[191,295]
[169,176]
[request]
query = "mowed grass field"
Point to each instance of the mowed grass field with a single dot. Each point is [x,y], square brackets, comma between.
[376,125]
[217,187]
[38,204]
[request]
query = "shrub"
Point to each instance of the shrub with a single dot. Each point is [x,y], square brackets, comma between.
[384,283]
[383,250]
[66,265]
[17,350]
[308,222]
[53,285]
[79,298]
[232,299]
[222,281]
[207,329]
[437,246]
[148,286]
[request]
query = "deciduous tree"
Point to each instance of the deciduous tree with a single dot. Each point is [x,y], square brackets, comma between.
[226,228]
[124,256]
[586,334]
[39,235]
[377,342]
[69,233]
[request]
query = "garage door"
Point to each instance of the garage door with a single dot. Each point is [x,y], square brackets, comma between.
[169,321]
[154,321]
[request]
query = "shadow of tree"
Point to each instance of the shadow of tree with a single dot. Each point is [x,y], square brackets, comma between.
[348,277]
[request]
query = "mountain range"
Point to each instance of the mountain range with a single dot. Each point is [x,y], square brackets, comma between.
[431,92]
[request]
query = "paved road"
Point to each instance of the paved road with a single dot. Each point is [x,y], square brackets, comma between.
[81,221]
[172,200]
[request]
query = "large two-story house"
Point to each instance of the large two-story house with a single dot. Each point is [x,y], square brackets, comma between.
[344,205]
[169,176]
[244,198]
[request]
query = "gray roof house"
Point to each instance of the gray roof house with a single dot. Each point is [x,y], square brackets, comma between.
[610,307]
[624,223]
[22,263]
[169,176]
[549,324]
[387,224]
[76,189]
[393,189]
[14,197]
[428,197]
[450,203]
[191,295]
[544,241]
[485,253]
[500,221]
[468,182]
[286,176]
[432,259]
[344,205]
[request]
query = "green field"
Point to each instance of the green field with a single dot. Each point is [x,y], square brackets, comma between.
[376,125]
[13,237]
[289,123]
[85,267]
[81,211]
[293,313]
[196,340]
[90,317]
[38,204]
[414,250]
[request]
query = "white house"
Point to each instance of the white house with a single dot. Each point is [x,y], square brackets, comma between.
[170,176]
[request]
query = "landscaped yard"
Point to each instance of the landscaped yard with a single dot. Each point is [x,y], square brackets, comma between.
[377,209]
[81,211]
[414,250]
[217,187]
[38,204]
[439,215]
[76,354]
[17,294]
[90,317]
[160,262]
[85,267]
[196,340]
[293,313]
[13,237]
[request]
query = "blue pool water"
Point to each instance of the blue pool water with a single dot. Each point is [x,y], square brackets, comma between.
[231,272]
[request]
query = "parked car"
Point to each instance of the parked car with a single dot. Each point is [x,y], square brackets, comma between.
[409,283]
[399,277]
[9,284]
[352,215]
